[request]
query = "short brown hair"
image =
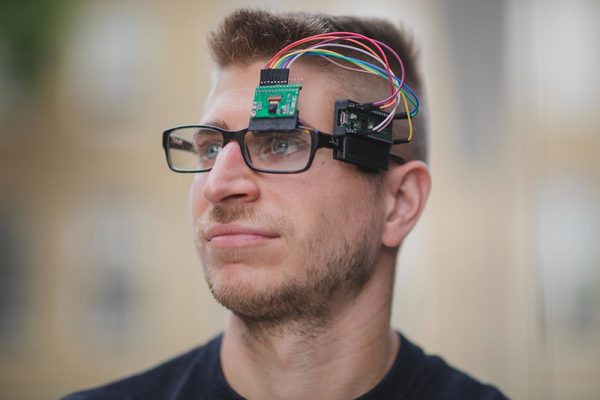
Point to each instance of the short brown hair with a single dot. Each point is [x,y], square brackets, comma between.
[249,35]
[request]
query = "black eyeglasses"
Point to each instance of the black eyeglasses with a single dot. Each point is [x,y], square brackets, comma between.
[194,148]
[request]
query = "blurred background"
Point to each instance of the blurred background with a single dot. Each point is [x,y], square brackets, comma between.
[98,273]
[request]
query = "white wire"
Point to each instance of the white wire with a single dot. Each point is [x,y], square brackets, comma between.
[379,60]
[389,118]
[381,126]
[345,67]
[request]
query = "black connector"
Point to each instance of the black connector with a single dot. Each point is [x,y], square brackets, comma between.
[358,143]
[270,77]
[273,124]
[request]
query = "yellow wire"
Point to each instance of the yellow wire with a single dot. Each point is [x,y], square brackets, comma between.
[410,126]
[368,69]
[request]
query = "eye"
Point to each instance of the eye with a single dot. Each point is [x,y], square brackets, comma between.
[208,150]
[286,144]
[212,150]
[276,150]
[282,145]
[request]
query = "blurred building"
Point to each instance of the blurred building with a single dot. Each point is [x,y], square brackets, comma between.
[98,273]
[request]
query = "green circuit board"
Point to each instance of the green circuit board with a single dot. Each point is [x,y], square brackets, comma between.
[357,121]
[276,101]
[353,119]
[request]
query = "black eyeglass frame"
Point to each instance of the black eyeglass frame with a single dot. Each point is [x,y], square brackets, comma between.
[318,140]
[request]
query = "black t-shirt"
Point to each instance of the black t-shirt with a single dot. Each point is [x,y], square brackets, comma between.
[198,375]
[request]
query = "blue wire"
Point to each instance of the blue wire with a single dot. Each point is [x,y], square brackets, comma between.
[412,94]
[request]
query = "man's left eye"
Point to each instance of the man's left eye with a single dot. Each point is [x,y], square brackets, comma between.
[287,145]
[283,145]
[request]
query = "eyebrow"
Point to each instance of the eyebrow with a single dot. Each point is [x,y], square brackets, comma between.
[219,123]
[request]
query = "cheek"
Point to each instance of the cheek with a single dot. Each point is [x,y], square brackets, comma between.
[197,200]
[325,204]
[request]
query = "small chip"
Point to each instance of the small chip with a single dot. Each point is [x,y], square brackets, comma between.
[275,102]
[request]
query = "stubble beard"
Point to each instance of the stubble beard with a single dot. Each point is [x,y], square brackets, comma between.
[335,262]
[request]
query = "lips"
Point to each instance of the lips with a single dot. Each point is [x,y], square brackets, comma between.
[237,235]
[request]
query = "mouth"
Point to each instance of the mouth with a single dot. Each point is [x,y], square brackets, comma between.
[224,236]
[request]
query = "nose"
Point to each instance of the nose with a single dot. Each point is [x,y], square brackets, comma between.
[230,180]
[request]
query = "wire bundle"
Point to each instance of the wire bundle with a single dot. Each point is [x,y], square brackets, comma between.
[322,45]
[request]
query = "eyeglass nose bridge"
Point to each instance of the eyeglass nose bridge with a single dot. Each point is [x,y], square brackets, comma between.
[239,137]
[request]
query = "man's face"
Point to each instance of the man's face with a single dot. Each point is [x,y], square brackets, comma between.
[282,247]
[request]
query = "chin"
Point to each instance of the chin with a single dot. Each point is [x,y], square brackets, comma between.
[269,295]
[230,282]
[247,297]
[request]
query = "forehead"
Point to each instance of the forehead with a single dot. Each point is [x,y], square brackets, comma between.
[232,93]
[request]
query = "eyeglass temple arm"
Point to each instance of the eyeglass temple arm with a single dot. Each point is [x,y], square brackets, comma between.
[328,141]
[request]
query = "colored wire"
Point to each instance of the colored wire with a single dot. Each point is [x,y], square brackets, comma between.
[318,45]
[409,119]
[367,67]
[373,56]
[281,61]
[335,35]
[387,102]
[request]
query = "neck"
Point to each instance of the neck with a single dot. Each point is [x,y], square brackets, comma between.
[343,357]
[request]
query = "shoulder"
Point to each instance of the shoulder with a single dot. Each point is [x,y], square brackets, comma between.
[168,380]
[416,375]
[443,381]
[433,378]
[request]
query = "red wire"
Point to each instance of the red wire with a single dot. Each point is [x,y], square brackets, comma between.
[335,35]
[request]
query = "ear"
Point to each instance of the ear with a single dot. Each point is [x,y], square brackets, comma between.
[407,187]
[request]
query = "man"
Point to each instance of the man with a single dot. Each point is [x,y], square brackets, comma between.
[304,261]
